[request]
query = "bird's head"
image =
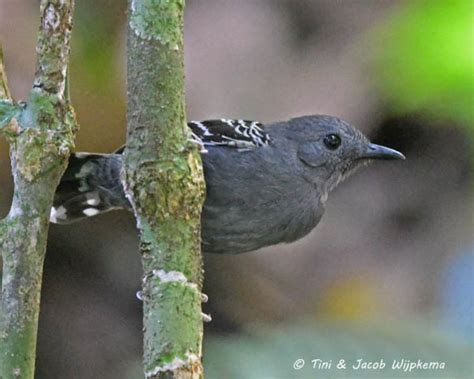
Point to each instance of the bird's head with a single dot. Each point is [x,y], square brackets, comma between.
[332,149]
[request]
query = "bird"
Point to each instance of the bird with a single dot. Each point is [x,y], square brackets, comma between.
[265,184]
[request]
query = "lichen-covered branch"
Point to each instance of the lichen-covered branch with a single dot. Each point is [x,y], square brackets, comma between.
[163,179]
[8,109]
[41,135]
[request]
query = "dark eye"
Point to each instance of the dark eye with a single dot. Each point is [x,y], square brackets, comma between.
[332,141]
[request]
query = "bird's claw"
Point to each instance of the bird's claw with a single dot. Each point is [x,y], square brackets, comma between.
[139,295]
[206,317]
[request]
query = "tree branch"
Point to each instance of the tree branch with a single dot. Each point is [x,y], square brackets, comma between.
[8,109]
[41,139]
[164,182]
[4,91]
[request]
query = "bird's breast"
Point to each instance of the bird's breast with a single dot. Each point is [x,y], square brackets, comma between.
[251,204]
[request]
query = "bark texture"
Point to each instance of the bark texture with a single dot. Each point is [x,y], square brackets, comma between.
[164,182]
[41,135]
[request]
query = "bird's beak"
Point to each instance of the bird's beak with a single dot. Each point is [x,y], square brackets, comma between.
[381,152]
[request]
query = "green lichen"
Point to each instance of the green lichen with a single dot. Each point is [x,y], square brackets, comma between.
[163,177]
[158,19]
[175,300]
[8,111]
[41,134]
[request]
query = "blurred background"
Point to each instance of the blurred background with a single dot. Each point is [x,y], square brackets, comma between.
[387,274]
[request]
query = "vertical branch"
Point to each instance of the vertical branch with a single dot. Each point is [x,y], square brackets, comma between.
[41,135]
[8,109]
[4,91]
[164,182]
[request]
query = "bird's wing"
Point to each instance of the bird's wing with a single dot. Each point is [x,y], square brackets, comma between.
[241,134]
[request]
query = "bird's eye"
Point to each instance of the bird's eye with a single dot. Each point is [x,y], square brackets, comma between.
[332,141]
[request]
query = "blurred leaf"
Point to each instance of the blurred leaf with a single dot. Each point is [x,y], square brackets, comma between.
[425,59]
[350,298]
[98,31]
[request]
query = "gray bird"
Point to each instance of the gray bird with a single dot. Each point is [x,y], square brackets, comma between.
[266,184]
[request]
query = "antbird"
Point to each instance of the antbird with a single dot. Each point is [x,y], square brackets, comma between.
[266,184]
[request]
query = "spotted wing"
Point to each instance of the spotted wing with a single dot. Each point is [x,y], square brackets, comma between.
[241,134]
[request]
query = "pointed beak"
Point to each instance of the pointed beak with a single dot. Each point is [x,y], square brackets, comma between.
[381,152]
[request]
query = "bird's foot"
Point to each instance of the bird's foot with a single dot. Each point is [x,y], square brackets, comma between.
[206,317]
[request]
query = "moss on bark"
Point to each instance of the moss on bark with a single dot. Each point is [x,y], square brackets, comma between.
[164,181]
[41,135]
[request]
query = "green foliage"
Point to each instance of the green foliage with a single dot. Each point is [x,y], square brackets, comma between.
[94,51]
[425,59]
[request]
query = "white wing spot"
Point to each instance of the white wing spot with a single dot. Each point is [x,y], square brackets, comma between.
[93,202]
[93,199]
[89,212]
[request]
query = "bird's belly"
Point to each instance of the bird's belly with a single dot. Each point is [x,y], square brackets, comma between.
[237,228]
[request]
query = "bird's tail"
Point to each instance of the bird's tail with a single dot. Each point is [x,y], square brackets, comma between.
[91,185]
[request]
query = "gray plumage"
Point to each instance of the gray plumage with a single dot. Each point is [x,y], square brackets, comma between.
[264,194]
